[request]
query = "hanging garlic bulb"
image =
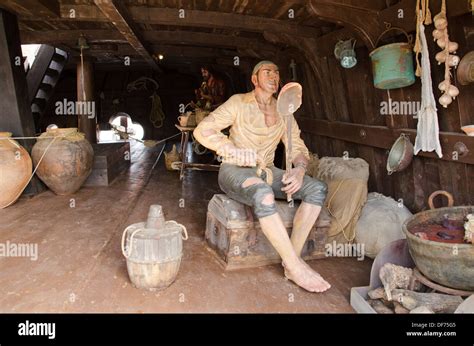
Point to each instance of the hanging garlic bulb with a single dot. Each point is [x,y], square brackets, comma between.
[440,22]
[453,91]
[438,34]
[452,60]
[445,100]
[440,57]
[441,44]
[443,86]
[441,36]
[452,47]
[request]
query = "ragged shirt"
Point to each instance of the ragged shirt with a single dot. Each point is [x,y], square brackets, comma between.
[248,130]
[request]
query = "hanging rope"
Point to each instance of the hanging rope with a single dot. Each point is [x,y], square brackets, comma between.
[423,15]
[157,116]
[140,84]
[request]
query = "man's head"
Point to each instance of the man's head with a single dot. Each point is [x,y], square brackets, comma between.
[266,76]
[206,72]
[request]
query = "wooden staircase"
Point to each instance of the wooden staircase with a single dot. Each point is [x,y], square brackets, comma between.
[43,77]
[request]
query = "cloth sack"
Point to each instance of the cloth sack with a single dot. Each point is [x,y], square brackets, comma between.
[380,223]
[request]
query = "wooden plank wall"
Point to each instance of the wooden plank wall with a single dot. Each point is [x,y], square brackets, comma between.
[352,98]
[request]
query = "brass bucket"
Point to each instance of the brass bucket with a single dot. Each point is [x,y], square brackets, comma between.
[392,64]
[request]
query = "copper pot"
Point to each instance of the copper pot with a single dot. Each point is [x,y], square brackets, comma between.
[401,154]
[465,71]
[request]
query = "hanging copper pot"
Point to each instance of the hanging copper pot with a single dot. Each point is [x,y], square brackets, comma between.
[401,154]
[465,71]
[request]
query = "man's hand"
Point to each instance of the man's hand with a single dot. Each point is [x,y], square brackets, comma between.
[293,181]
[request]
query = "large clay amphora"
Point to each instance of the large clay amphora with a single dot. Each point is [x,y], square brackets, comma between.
[67,161]
[15,169]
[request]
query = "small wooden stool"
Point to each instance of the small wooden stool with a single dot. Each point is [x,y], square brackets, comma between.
[236,239]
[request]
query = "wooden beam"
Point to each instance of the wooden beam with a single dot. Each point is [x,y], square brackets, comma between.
[369,5]
[16,110]
[46,9]
[194,18]
[117,13]
[169,51]
[362,21]
[149,36]
[85,93]
[383,137]
[403,15]
[70,36]
[369,24]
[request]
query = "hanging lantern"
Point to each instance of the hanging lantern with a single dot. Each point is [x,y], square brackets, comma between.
[344,51]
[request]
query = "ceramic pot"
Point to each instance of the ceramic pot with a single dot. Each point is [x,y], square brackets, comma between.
[67,161]
[15,169]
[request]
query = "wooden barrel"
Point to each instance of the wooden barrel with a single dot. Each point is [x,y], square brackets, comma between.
[153,255]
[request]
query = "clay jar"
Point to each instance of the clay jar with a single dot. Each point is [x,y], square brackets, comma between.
[15,169]
[67,162]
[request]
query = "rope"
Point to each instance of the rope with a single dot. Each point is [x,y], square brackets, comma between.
[124,252]
[183,228]
[127,255]
[157,116]
[140,84]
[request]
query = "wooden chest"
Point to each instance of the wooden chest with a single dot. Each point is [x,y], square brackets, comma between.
[110,160]
[235,237]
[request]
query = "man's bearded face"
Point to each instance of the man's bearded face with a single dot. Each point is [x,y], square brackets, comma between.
[268,78]
[205,74]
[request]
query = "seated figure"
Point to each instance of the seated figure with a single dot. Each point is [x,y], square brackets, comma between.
[248,175]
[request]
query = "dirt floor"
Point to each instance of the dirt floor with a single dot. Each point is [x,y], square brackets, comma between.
[80,267]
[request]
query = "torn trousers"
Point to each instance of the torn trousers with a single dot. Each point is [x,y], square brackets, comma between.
[232,177]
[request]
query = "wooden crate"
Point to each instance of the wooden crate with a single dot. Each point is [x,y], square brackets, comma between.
[110,160]
[230,230]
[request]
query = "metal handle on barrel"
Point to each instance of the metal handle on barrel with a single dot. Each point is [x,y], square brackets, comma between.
[131,239]
[183,229]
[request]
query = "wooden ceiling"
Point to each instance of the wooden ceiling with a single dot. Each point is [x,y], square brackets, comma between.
[184,30]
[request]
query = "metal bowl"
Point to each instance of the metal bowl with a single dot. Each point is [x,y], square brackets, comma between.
[448,264]
[401,154]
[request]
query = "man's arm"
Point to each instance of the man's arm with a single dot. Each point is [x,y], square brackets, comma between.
[299,153]
[219,96]
[208,132]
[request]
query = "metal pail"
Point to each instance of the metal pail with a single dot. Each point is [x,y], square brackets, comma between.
[392,64]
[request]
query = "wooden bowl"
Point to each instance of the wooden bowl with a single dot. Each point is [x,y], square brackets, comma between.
[468,130]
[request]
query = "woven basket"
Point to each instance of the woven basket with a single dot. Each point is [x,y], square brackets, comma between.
[171,157]
[200,114]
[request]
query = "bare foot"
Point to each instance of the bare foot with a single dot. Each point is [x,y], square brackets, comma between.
[304,276]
